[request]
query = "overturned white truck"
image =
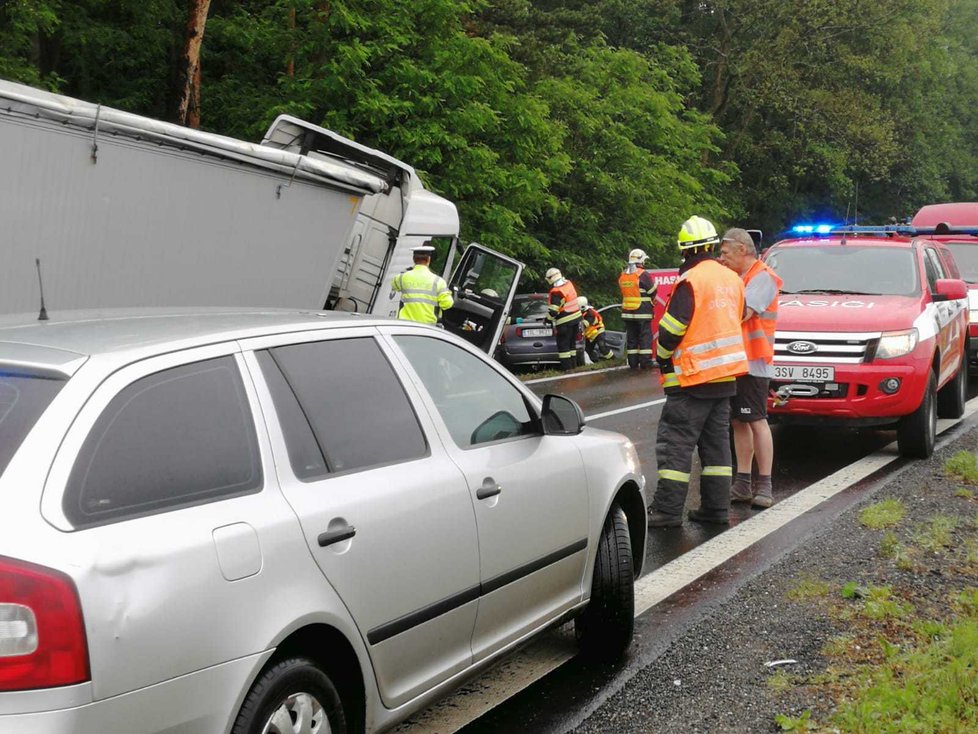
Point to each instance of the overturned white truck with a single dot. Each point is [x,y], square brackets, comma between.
[126,211]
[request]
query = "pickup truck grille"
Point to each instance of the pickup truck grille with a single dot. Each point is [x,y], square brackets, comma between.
[824,347]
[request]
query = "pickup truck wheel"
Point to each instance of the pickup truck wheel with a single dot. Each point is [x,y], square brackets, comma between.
[952,397]
[917,432]
[604,629]
[292,697]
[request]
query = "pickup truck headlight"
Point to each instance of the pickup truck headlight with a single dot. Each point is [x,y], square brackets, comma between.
[896,343]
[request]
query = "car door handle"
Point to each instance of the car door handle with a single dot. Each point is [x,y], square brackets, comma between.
[488,489]
[335,536]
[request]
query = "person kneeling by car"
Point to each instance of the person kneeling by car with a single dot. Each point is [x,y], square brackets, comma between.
[595,343]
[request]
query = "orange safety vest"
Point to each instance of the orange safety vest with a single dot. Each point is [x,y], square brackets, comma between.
[593,324]
[759,328]
[633,300]
[713,346]
[566,308]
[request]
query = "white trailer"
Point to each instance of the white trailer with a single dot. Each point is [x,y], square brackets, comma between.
[126,211]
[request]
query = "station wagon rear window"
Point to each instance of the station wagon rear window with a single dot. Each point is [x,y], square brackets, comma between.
[843,269]
[23,397]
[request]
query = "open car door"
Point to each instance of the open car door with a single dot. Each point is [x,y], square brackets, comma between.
[483,286]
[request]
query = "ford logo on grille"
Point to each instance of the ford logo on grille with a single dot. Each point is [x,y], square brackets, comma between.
[802,347]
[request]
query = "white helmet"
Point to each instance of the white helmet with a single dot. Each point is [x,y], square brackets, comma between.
[637,256]
[582,303]
[553,275]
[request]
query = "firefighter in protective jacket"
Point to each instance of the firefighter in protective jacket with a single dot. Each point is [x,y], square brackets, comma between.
[565,314]
[637,294]
[700,353]
[594,340]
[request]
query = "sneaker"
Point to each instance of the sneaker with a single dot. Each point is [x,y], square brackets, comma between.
[741,491]
[658,519]
[763,500]
[711,517]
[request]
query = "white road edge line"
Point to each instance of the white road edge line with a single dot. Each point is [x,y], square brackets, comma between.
[574,374]
[649,404]
[519,671]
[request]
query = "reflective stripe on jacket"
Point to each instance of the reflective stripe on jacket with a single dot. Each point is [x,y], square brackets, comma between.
[593,324]
[422,292]
[563,303]
[759,328]
[713,346]
[637,291]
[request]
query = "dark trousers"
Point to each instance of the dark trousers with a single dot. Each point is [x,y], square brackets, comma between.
[638,342]
[566,336]
[597,348]
[687,423]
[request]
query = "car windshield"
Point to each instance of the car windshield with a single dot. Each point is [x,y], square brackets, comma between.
[23,397]
[966,256]
[530,309]
[844,269]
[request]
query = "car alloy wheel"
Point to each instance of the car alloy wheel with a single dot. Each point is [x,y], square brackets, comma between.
[300,713]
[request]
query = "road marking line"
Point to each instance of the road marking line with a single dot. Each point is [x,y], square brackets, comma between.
[574,374]
[519,671]
[596,416]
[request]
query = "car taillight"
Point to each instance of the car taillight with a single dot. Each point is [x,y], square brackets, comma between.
[42,633]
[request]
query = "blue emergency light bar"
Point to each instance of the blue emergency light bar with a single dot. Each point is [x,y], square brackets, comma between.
[903,230]
[813,228]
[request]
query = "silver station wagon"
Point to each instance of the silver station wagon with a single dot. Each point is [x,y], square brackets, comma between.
[258,522]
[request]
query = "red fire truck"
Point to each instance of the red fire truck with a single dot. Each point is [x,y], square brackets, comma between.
[872,332]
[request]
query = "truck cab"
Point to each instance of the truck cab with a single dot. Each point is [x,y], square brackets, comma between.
[872,332]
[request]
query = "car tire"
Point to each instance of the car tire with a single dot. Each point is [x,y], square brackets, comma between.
[294,695]
[952,397]
[917,432]
[604,629]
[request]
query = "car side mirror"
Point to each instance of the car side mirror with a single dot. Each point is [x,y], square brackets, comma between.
[561,416]
[950,289]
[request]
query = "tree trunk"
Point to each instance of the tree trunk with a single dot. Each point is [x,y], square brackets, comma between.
[188,104]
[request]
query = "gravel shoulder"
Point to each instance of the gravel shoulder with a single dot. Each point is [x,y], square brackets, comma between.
[810,607]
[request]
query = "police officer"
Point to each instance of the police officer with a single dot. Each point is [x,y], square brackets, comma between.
[565,314]
[701,353]
[423,294]
[752,435]
[637,293]
[594,339]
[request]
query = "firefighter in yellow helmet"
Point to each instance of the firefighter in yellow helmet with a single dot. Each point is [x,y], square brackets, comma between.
[594,340]
[565,315]
[423,293]
[700,352]
[637,295]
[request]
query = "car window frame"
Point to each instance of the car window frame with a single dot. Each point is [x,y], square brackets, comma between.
[99,399]
[533,404]
[273,426]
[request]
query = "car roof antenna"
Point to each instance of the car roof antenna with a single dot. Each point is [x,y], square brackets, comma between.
[43,315]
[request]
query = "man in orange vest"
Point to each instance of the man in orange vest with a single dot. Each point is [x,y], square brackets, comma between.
[595,343]
[565,315]
[752,434]
[700,353]
[637,293]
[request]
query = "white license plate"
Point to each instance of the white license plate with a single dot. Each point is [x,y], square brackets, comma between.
[534,333]
[803,373]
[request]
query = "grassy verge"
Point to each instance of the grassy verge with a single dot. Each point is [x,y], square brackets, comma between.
[906,655]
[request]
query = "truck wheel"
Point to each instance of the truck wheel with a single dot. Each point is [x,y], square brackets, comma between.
[917,432]
[292,696]
[952,397]
[604,629]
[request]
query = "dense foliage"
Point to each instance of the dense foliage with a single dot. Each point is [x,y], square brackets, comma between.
[568,131]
